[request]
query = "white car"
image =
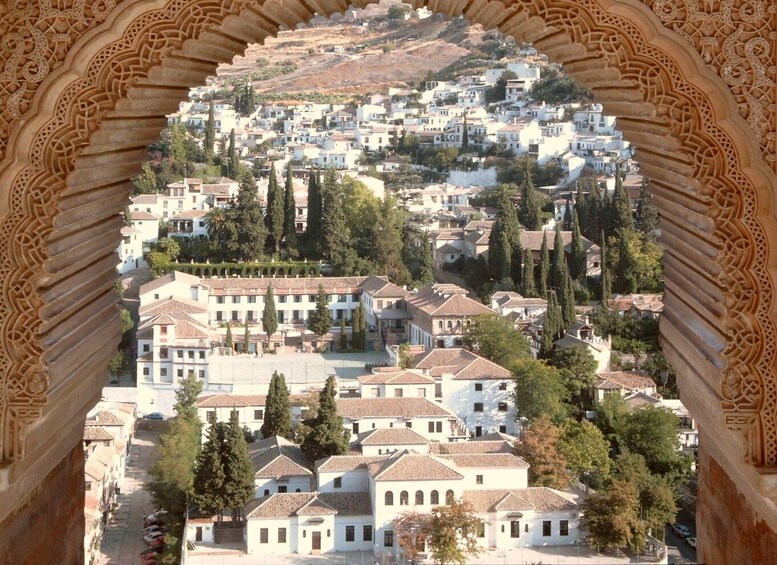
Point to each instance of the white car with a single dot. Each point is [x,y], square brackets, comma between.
[152,536]
[691,542]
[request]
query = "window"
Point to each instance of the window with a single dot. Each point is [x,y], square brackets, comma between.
[338,482]
[281,535]
[367,533]
[267,492]
[434,497]
[258,414]
[563,528]
[210,416]
[283,488]
[235,317]
[355,427]
[409,424]
[389,498]
[312,298]
[145,348]
[479,479]
[219,300]
[190,354]
[502,386]
[419,497]
[179,354]
[201,354]
[235,300]
[481,533]
[546,529]
[163,330]
[449,497]
[431,427]
[388,539]
[404,498]
[219,316]
[502,406]
[502,429]
[145,371]
[478,407]
[515,529]
[179,373]
[438,426]
[162,372]
[297,298]
[282,299]
[350,533]
[264,535]
[478,387]
[163,352]
[397,393]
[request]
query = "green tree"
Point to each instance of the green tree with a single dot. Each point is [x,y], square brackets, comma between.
[504,240]
[538,446]
[320,319]
[656,494]
[289,211]
[652,433]
[232,160]
[621,214]
[248,219]
[246,338]
[586,451]
[269,314]
[611,516]
[146,181]
[577,264]
[209,477]
[210,132]
[189,389]
[425,274]
[496,339]
[411,530]
[238,470]
[527,277]
[335,235]
[385,241]
[647,214]
[544,268]
[465,134]
[530,210]
[118,364]
[567,302]
[228,337]
[498,92]
[539,391]
[578,371]
[327,436]
[356,323]
[453,533]
[216,224]
[277,413]
[405,356]
[558,268]
[315,210]
[343,335]
[605,277]
[274,217]
[552,326]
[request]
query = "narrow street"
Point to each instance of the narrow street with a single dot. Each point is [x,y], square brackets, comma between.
[123,538]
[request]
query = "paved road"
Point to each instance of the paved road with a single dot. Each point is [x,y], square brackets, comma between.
[122,540]
[678,549]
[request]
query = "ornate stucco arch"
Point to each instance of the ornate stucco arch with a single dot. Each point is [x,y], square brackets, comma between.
[84,86]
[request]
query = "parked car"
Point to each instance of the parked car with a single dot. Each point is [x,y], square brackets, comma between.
[151,560]
[681,530]
[154,528]
[691,542]
[154,416]
[150,551]
[153,535]
[157,543]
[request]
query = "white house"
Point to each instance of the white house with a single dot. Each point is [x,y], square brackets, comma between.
[130,250]
[280,466]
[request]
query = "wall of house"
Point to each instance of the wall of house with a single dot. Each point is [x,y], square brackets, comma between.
[420,425]
[207,532]
[253,536]
[370,450]
[494,477]
[359,544]
[293,484]
[352,481]
[460,397]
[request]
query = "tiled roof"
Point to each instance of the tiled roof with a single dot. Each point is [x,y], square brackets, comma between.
[496,437]
[532,240]
[188,330]
[446,300]
[481,460]
[407,465]
[104,418]
[168,278]
[356,408]
[142,216]
[380,287]
[310,503]
[304,285]
[96,433]
[395,375]
[625,379]
[461,363]
[344,463]
[231,400]
[391,436]
[145,199]
[539,499]
[316,507]
[471,447]
[282,505]
[277,457]
[448,248]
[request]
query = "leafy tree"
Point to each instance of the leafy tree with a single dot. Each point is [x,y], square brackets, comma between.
[495,338]
[269,314]
[638,262]
[527,277]
[611,516]
[405,356]
[320,319]
[544,269]
[530,210]
[539,391]
[539,448]
[209,472]
[118,363]
[189,389]
[315,209]
[289,211]
[578,371]
[586,451]
[228,337]
[248,219]
[656,495]
[126,320]
[610,414]
[411,530]
[238,470]
[216,224]
[626,279]
[453,533]
[277,413]
[210,132]
[327,436]
[274,216]
[647,214]
[652,433]
[498,92]
[146,181]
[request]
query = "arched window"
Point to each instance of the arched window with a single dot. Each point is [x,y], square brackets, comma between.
[434,497]
[267,492]
[389,499]
[450,325]
[449,497]
[419,497]
[458,324]
[404,498]
[439,325]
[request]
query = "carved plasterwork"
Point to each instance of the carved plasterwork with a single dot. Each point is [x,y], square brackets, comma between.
[39,39]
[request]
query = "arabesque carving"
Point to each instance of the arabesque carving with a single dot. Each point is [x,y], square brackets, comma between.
[69,67]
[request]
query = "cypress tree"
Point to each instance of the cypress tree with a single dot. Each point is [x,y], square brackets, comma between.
[238,470]
[249,105]
[465,134]
[647,214]
[567,215]
[277,413]
[334,228]
[581,207]
[232,163]
[530,209]
[503,261]
[343,335]
[426,264]
[527,279]
[246,338]
[362,327]
[595,207]
[355,325]
[274,215]
[559,266]
[567,302]
[551,326]
[577,265]
[210,132]
[605,277]
[627,280]
[289,211]
[505,236]
[516,265]
[228,338]
[269,314]
[320,320]
[209,473]
[313,229]
[327,436]
[621,205]
[249,225]
[544,270]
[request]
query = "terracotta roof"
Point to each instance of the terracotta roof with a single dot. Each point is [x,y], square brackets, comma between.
[394,375]
[168,278]
[446,300]
[188,330]
[461,363]
[380,287]
[532,240]
[97,433]
[145,199]
[539,499]
[625,379]
[305,285]
[282,505]
[315,507]
[640,399]
[475,225]
[309,504]
[448,248]
[496,437]
[482,460]
[104,418]
[126,230]
[277,457]
[642,302]
[356,408]
[391,436]
[406,466]
[471,447]
[344,463]
[231,400]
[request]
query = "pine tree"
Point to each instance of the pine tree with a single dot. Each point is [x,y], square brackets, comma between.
[315,203]
[544,270]
[274,215]
[620,206]
[559,266]
[269,314]
[647,214]
[289,211]
[343,335]
[210,132]
[238,470]
[249,223]
[228,338]
[530,208]
[327,436]
[232,162]
[334,228]
[577,265]
[277,413]
[527,279]
[246,338]
[209,473]
[320,319]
